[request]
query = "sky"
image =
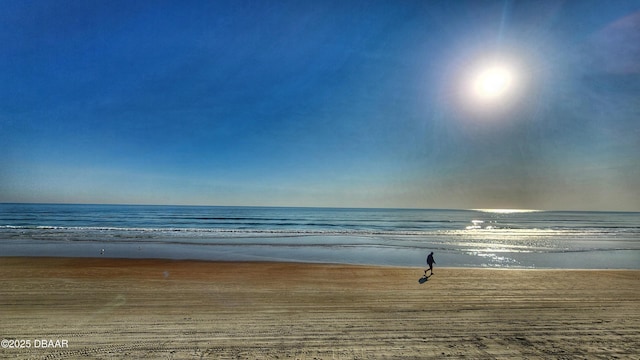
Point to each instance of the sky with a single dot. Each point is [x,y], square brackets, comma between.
[321,103]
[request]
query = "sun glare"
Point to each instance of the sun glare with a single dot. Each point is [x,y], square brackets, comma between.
[507,211]
[492,82]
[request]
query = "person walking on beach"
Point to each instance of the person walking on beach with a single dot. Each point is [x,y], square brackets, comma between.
[430,262]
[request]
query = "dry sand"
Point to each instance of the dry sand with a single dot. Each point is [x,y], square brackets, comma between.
[161,309]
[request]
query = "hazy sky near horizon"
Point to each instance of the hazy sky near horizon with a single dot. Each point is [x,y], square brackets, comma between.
[320,103]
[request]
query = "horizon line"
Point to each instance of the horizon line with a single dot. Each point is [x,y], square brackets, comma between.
[502,211]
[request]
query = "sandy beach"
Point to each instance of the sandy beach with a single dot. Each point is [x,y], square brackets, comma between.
[162,309]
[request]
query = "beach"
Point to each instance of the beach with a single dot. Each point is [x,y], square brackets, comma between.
[150,309]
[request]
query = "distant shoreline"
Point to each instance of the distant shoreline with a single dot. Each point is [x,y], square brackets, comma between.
[128,260]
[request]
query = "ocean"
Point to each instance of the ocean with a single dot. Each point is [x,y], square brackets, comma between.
[388,237]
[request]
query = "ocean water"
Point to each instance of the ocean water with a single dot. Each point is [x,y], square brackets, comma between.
[395,237]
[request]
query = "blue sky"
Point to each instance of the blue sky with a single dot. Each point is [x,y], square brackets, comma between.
[320,103]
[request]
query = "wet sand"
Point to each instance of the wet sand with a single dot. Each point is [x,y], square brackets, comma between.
[151,309]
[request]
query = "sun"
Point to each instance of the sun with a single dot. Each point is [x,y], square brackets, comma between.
[492,82]
[493,86]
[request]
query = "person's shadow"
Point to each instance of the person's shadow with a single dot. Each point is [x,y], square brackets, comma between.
[424,279]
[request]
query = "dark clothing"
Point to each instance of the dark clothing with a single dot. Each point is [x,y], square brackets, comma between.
[430,262]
